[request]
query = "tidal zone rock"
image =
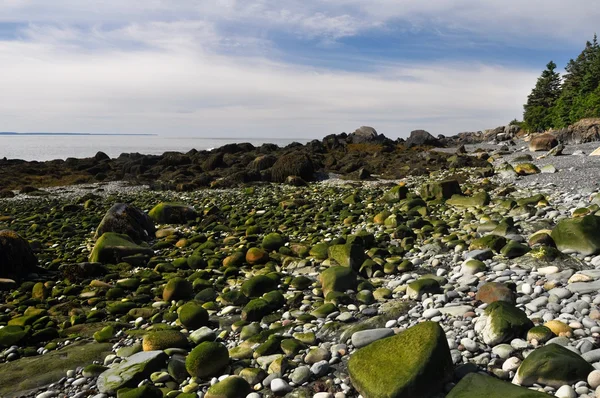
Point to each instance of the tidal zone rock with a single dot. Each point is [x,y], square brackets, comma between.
[172,213]
[501,323]
[578,235]
[477,385]
[414,363]
[112,247]
[16,257]
[126,219]
[131,371]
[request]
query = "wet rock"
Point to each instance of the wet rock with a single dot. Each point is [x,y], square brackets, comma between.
[126,219]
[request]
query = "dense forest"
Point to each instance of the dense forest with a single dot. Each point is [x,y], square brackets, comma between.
[557,102]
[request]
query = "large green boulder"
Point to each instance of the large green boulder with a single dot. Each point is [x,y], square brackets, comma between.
[127,219]
[178,289]
[514,249]
[16,256]
[272,241]
[172,213]
[131,371]
[258,285]
[396,194]
[493,242]
[231,387]
[146,391]
[476,385]
[479,200]
[256,309]
[192,315]
[10,335]
[417,288]
[552,365]
[207,359]
[111,247]
[578,235]
[163,339]
[501,323]
[337,279]
[347,255]
[440,190]
[414,363]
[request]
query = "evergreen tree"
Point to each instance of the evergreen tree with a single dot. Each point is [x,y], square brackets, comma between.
[539,112]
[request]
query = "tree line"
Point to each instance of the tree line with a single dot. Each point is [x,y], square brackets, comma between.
[557,102]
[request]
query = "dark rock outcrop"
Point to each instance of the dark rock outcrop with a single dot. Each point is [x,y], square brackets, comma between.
[127,219]
[421,138]
[16,256]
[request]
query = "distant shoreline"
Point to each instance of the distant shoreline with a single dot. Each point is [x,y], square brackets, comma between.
[114,134]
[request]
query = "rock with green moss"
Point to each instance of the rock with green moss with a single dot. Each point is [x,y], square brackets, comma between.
[578,235]
[472,267]
[540,333]
[421,286]
[526,169]
[501,323]
[131,371]
[172,213]
[492,242]
[192,315]
[440,190]
[105,334]
[230,387]
[414,363]
[476,385]
[319,251]
[337,279]
[112,247]
[146,391]
[552,365]
[347,255]
[272,241]
[256,309]
[323,310]
[396,194]
[127,219]
[256,255]
[514,249]
[207,359]
[10,335]
[163,339]
[479,200]
[258,285]
[178,289]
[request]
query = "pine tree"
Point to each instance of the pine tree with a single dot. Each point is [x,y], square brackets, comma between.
[539,112]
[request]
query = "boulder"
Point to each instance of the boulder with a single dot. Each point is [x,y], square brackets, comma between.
[163,339]
[585,130]
[131,371]
[192,315]
[231,387]
[414,363]
[524,169]
[172,213]
[347,255]
[496,291]
[258,285]
[479,200]
[477,385]
[112,248]
[440,190]
[552,365]
[178,289]
[207,359]
[542,142]
[363,134]
[293,164]
[396,194]
[501,323]
[272,241]
[578,235]
[127,219]
[337,279]
[421,286]
[421,138]
[16,256]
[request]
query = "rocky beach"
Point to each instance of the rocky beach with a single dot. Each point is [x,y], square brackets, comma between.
[356,265]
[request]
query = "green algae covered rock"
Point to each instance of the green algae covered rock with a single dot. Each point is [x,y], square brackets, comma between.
[479,200]
[163,339]
[493,242]
[440,190]
[207,359]
[319,251]
[526,169]
[423,285]
[105,334]
[396,194]
[192,315]
[178,289]
[146,391]
[347,255]
[256,309]
[476,385]
[272,241]
[131,371]
[111,247]
[231,387]
[338,279]
[514,249]
[414,363]
[552,365]
[10,335]
[256,255]
[172,213]
[501,323]
[258,285]
[578,235]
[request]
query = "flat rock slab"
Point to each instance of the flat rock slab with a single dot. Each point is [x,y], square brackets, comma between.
[584,287]
[20,377]
[366,337]
[131,371]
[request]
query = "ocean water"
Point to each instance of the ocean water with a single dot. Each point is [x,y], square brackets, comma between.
[50,147]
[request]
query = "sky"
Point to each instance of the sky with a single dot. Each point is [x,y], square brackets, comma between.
[278,68]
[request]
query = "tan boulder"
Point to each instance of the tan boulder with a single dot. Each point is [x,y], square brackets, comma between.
[542,142]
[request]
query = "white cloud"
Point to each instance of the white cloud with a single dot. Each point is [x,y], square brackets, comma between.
[173,84]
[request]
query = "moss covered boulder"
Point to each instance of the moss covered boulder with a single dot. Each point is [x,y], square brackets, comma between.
[128,220]
[479,200]
[440,190]
[514,249]
[231,387]
[256,309]
[256,255]
[178,289]
[501,323]
[338,279]
[414,363]
[396,194]
[192,315]
[258,285]
[112,247]
[552,365]
[273,241]
[421,286]
[578,235]
[16,256]
[492,242]
[293,164]
[163,339]
[347,255]
[10,335]
[319,251]
[131,371]
[476,385]
[172,213]
[526,169]
[207,359]
[146,391]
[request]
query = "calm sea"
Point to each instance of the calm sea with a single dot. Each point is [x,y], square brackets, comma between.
[49,147]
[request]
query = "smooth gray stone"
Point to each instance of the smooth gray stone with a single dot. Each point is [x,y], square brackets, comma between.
[131,370]
[366,337]
[592,356]
[584,287]
[480,255]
